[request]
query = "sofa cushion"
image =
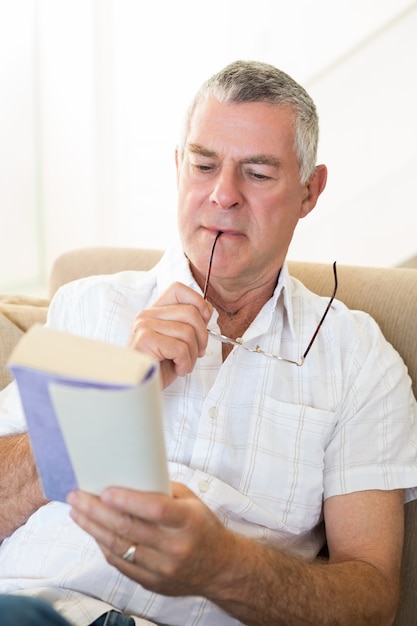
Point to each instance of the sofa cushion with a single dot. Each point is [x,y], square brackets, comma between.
[17,314]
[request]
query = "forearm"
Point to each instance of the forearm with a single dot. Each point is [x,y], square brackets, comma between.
[20,490]
[263,587]
[183,549]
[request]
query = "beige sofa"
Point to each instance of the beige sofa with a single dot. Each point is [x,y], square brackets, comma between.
[388,294]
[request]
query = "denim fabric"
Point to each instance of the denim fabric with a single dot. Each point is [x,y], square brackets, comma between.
[26,611]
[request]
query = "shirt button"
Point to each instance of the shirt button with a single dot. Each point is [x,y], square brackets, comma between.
[204,486]
[209,352]
[213,412]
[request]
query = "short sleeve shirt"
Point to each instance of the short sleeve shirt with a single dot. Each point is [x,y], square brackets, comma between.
[262,442]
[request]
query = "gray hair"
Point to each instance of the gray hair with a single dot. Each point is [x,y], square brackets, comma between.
[253,81]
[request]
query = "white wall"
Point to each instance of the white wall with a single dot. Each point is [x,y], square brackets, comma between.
[92,98]
[19,228]
[367,104]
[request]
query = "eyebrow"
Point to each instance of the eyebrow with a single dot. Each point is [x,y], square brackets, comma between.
[259,159]
[195,148]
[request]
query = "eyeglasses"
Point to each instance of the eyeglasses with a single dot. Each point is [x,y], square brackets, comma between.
[239,341]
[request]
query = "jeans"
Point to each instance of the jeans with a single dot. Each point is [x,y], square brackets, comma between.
[26,611]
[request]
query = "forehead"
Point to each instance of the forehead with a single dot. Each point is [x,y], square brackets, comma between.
[247,127]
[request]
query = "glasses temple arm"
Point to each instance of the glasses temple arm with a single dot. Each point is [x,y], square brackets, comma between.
[325,312]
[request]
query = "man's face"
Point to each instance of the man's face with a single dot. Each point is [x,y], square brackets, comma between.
[240,175]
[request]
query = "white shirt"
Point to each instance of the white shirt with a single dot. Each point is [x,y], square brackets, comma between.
[261,442]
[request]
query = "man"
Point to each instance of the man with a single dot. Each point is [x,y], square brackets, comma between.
[264,452]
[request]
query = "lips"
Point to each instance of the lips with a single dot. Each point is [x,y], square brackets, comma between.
[224,231]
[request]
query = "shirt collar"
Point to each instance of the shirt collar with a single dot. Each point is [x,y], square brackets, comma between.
[174,267]
[281,302]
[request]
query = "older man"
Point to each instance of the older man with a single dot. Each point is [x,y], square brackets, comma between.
[282,430]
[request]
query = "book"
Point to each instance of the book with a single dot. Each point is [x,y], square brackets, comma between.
[93,412]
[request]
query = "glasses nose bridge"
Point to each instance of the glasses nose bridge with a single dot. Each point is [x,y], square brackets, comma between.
[227,192]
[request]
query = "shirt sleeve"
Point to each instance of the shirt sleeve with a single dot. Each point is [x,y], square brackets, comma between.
[374,444]
[12,419]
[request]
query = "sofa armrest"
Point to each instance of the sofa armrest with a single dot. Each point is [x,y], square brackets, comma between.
[17,315]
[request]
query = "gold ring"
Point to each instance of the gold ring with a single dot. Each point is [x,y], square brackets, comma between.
[129,555]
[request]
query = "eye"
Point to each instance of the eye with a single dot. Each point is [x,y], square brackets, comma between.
[259,176]
[203,167]
[260,172]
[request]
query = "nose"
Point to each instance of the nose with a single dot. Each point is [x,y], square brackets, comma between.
[226,193]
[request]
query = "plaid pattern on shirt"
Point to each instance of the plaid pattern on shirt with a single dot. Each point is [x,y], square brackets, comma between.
[261,442]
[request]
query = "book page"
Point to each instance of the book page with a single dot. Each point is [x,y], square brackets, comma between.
[114,436]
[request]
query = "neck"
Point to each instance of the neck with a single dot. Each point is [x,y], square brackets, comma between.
[236,314]
[239,305]
[230,313]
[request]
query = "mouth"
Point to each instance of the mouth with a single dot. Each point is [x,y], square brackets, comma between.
[225,232]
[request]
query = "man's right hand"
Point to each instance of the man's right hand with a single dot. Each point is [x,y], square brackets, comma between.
[173,331]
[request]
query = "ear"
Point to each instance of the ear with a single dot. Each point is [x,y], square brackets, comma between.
[313,188]
[177,162]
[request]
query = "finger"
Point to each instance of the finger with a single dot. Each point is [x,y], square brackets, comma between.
[183,304]
[178,341]
[145,569]
[116,532]
[179,490]
[186,313]
[178,293]
[89,511]
[178,320]
[119,508]
[154,508]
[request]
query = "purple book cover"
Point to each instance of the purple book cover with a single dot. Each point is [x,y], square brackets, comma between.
[45,434]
